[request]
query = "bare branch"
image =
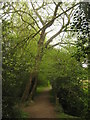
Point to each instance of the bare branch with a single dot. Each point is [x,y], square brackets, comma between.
[41,20]
[17,11]
[45,26]
[63,26]
[49,31]
[40,6]
[67,10]
[52,20]
[56,9]
[54,16]
[55,35]
[62,43]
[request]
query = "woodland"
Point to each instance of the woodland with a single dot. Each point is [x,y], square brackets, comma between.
[45,43]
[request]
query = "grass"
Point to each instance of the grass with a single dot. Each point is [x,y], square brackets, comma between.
[40,89]
[24,114]
[67,117]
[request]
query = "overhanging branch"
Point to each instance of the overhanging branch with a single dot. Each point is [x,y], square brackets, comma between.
[51,21]
[55,35]
[40,18]
[62,43]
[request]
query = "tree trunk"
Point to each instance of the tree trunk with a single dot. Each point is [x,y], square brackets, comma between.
[32,93]
[27,89]
[30,87]
[32,84]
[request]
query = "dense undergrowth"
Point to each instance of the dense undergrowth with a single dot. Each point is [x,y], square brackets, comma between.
[73,100]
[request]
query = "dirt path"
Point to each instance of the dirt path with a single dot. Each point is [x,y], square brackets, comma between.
[41,108]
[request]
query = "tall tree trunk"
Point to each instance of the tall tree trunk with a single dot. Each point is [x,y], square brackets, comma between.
[33,91]
[27,89]
[30,87]
[32,84]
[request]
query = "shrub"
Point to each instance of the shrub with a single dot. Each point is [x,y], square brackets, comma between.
[71,96]
[71,101]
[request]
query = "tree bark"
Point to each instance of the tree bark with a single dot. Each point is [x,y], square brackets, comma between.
[30,88]
[27,89]
[32,93]
[32,84]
